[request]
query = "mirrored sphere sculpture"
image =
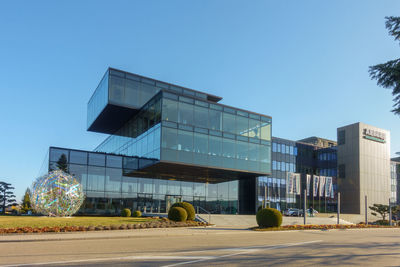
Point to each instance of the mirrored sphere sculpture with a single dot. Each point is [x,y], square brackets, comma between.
[57,194]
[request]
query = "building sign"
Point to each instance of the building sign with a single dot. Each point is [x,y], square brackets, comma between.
[374,135]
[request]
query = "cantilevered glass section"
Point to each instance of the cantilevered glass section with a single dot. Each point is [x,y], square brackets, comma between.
[180,129]
[98,101]
[179,126]
[140,136]
[120,95]
[208,134]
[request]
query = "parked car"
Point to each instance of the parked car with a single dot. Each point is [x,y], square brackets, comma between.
[293,212]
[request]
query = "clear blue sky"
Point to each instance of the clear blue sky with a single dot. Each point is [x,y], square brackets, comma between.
[305,63]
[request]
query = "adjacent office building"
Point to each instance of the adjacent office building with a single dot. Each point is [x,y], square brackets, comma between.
[363,166]
[168,143]
[312,156]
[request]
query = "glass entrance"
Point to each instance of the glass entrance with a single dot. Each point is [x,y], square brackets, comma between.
[171,199]
[145,202]
[199,202]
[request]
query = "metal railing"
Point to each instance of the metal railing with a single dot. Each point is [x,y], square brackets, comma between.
[198,208]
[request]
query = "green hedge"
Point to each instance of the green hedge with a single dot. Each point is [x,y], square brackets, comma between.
[177,214]
[382,222]
[126,213]
[191,213]
[269,217]
[137,213]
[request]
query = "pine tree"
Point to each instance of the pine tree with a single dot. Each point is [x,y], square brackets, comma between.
[7,197]
[382,210]
[62,163]
[26,201]
[388,74]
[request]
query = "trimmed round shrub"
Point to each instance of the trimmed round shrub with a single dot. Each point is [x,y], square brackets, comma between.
[269,217]
[191,213]
[126,213]
[177,214]
[137,213]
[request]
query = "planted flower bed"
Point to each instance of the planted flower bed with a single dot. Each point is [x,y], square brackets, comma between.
[163,223]
[321,227]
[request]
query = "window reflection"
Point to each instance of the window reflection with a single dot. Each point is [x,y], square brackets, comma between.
[201,117]
[242,126]
[185,114]
[229,123]
[170,110]
[215,120]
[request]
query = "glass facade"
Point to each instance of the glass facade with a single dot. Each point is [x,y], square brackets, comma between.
[395,182]
[296,157]
[99,100]
[272,188]
[109,186]
[140,136]
[182,129]
[208,134]
[130,90]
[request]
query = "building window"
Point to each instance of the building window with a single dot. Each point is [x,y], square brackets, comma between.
[342,171]
[274,149]
[341,137]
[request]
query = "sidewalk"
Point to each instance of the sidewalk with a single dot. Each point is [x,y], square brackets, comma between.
[131,233]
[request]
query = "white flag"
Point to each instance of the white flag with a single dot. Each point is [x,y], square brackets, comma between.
[321,185]
[289,183]
[297,183]
[315,185]
[328,187]
[308,178]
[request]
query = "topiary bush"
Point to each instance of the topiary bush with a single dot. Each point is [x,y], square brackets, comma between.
[126,213]
[191,213]
[177,214]
[269,217]
[137,213]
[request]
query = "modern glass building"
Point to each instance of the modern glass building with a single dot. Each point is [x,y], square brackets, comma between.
[168,143]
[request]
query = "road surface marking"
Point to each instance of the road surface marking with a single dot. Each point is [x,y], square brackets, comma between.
[192,259]
[245,250]
[143,257]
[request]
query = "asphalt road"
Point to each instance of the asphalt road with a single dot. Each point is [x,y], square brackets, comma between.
[210,247]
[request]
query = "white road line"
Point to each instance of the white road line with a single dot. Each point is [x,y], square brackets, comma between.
[193,259]
[143,257]
[246,250]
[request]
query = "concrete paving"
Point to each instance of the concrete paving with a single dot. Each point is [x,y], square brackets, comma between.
[225,220]
[208,247]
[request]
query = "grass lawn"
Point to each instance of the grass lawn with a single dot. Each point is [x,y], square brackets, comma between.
[35,221]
